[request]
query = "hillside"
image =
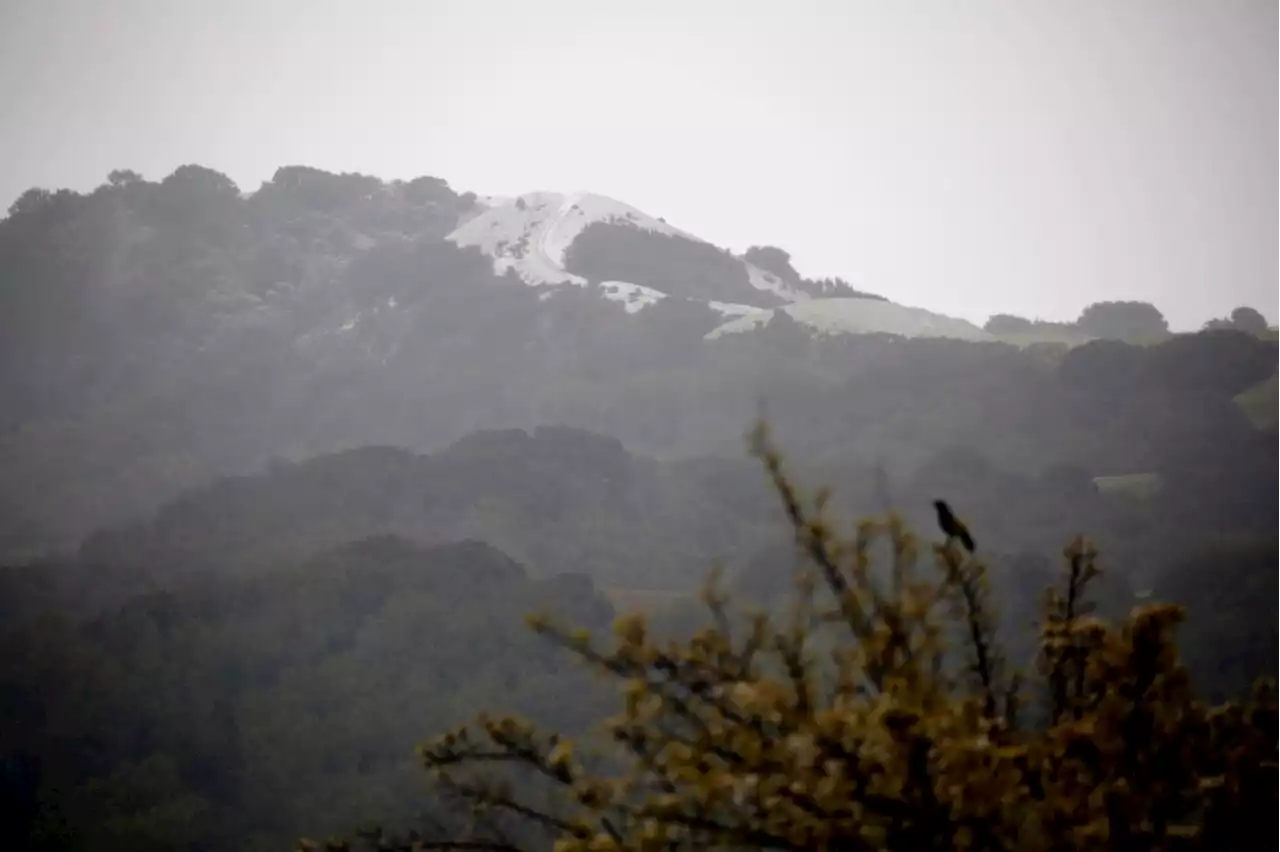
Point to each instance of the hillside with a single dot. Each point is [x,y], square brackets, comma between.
[1261,403]
[860,316]
[233,713]
[533,234]
[1033,451]
[258,660]
[558,500]
[285,469]
[219,331]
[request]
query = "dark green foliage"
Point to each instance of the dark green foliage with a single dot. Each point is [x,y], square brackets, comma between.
[879,713]
[1132,322]
[778,262]
[258,656]
[771,259]
[1249,320]
[1209,364]
[1007,324]
[231,713]
[622,252]
[1230,587]
[319,396]
[214,332]
[561,499]
[153,282]
[1136,322]
[1244,318]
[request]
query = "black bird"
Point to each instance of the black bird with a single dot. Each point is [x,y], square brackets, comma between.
[952,526]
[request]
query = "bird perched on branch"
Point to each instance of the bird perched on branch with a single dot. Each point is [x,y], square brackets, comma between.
[952,526]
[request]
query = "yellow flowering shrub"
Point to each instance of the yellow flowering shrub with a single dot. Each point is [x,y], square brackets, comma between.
[782,735]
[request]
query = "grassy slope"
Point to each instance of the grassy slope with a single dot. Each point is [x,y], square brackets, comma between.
[1260,403]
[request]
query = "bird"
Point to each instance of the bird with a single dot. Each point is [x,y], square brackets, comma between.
[952,526]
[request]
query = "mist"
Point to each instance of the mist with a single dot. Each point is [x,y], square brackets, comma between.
[337,342]
[1048,155]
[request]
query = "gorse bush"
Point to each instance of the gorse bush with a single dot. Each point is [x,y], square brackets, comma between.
[850,723]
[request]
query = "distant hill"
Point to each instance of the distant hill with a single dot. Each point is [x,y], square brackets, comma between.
[559,500]
[860,316]
[238,712]
[284,470]
[1261,402]
[158,335]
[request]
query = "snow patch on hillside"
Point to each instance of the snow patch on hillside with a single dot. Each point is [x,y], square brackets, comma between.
[764,280]
[581,209]
[860,316]
[512,233]
[532,233]
[633,297]
[729,309]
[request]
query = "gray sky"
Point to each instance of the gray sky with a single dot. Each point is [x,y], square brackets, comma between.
[969,157]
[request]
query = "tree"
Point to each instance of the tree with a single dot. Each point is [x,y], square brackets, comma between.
[772,259]
[1248,319]
[30,201]
[198,203]
[198,181]
[1008,324]
[46,207]
[1217,364]
[1102,369]
[317,190]
[123,177]
[1244,319]
[1135,322]
[740,737]
[425,189]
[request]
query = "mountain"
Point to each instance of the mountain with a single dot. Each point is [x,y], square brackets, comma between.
[284,469]
[238,713]
[859,316]
[551,240]
[258,659]
[158,335]
[559,500]
[534,233]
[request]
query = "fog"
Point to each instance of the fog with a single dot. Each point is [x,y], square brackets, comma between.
[338,340]
[970,157]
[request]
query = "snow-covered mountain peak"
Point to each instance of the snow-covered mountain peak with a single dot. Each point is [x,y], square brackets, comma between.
[531,234]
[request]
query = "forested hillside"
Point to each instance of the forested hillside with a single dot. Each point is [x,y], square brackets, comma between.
[231,712]
[258,661]
[215,332]
[284,472]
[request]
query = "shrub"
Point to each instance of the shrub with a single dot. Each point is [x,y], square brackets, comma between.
[1135,322]
[1008,324]
[1249,319]
[846,724]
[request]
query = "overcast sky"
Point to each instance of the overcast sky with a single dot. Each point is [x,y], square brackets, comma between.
[970,157]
